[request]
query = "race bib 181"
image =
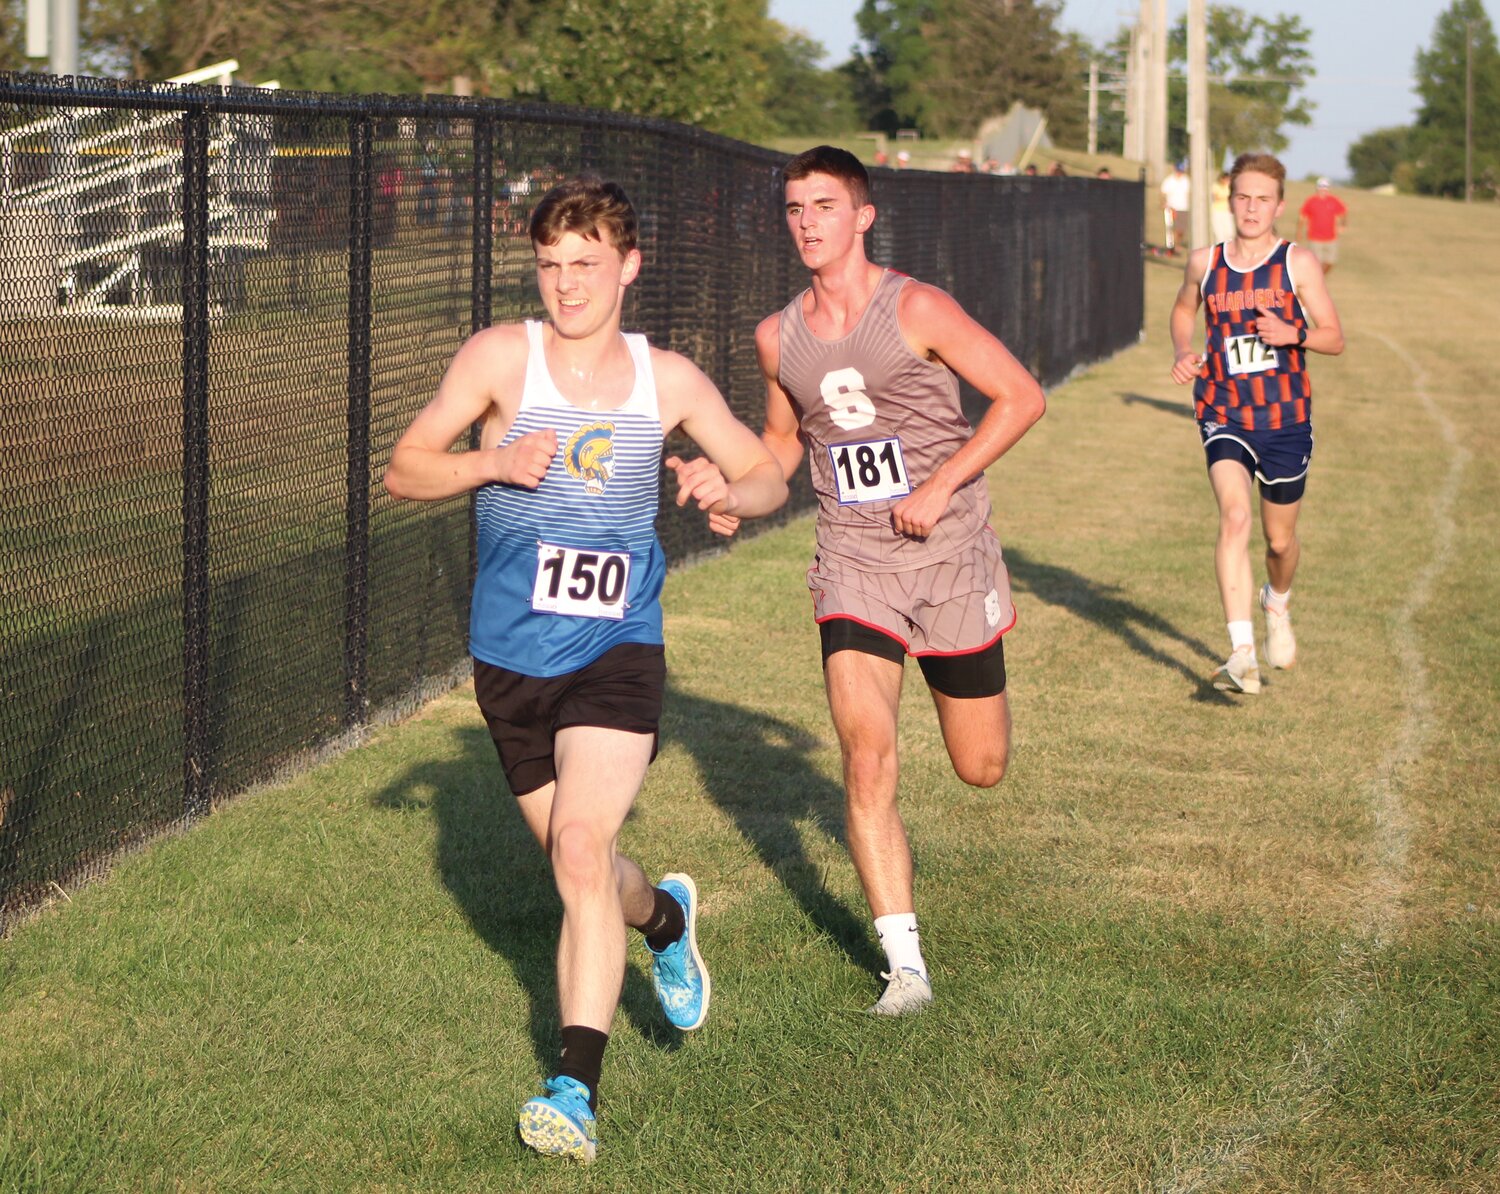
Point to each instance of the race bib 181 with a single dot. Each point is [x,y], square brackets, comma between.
[584,584]
[871,471]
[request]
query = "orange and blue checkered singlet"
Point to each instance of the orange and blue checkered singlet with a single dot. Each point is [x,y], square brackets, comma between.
[1244,382]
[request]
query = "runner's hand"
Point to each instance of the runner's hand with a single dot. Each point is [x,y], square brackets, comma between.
[1186,367]
[1274,330]
[700,481]
[723,524]
[524,460]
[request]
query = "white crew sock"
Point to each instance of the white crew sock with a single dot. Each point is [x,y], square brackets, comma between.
[1275,600]
[1241,634]
[901,942]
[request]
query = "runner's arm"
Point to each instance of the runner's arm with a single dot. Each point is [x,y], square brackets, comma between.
[1184,319]
[937,327]
[473,389]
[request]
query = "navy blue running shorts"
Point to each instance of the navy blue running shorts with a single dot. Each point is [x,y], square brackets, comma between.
[1277,459]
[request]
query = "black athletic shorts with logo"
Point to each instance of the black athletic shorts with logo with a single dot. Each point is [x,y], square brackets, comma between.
[621,690]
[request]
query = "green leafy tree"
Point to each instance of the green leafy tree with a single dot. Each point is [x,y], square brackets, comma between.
[1375,158]
[990,54]
[944,66]
[1463,39]
[701,62]
[805,98]
[1258,68]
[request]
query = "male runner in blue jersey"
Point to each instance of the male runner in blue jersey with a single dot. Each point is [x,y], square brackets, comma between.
[1266,308]
[566,622]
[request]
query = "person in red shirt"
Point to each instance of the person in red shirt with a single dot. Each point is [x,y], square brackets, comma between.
[1323,216]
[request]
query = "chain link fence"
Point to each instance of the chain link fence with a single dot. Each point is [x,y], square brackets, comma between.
[219,308]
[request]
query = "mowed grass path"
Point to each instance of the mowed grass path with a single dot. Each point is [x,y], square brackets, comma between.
[1193,942]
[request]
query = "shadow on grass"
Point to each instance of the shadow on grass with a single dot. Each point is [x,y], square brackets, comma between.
[502,883]
[1185,409]
[757,768]
[1103,606]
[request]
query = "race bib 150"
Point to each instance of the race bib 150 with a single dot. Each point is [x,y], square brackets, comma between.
[584,584]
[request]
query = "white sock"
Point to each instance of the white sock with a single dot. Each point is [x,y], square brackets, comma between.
[901,942]
[1241,634]
[1275,600]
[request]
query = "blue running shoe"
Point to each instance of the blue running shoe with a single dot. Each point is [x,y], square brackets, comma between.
[560,1122]
[678,973]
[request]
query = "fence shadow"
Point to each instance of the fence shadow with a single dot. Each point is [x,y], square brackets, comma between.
[1104,606]
[500,880]
[758,769]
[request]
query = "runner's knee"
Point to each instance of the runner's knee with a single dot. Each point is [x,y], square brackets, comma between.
[580,859]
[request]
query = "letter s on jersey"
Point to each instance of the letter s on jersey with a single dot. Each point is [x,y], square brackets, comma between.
[844,395]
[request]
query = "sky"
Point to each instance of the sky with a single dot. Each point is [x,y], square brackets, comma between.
[1364,62]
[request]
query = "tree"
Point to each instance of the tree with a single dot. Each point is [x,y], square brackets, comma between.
[805,99]
[944,66]
[990,54]
[1376,158]
[890,75]
[1258,67]
[325,45]
[1462,38]
[697,61]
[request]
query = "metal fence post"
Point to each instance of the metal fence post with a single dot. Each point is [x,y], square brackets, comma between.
[357,475]
[481,278]
[197,763]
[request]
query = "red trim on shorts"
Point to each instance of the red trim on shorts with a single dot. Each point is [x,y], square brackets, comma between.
[972,650]
[905,646]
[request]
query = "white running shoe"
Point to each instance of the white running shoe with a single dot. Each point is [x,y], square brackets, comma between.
[906,993]
[1239,674]
[1281,644]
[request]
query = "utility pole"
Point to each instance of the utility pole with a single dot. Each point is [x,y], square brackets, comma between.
[1197,123]
[1135,88]
[63,36]
[1156,122]
[1093,106]
[1468,111]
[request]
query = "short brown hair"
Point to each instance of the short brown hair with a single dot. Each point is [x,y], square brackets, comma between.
[834,162]
[590,206]
[1261,163]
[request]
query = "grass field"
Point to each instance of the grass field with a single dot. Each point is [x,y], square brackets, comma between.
[1193,942]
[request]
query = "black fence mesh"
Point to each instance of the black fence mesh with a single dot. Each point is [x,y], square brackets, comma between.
[218,311]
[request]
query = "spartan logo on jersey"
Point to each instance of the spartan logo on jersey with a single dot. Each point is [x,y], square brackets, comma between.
[590,455]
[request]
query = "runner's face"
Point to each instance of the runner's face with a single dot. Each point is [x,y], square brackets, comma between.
[822,218]
[582,282]
[1256,203]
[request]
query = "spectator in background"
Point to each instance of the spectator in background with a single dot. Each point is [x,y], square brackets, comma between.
[1057,170]
[1324,216]
[1030,170]
[1220,218]
[1176,197]
[1103,172]
[964,163]
[882,158]
[903,160]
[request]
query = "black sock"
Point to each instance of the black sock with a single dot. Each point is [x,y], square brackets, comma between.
[667,924]
[583,1057]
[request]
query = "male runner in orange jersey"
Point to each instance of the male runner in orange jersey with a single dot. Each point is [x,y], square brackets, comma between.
[1266,308]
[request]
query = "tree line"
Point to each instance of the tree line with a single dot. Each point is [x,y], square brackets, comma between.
[940,67]
[1458,82]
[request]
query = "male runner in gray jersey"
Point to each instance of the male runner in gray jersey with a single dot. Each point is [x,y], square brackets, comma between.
[861,366]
